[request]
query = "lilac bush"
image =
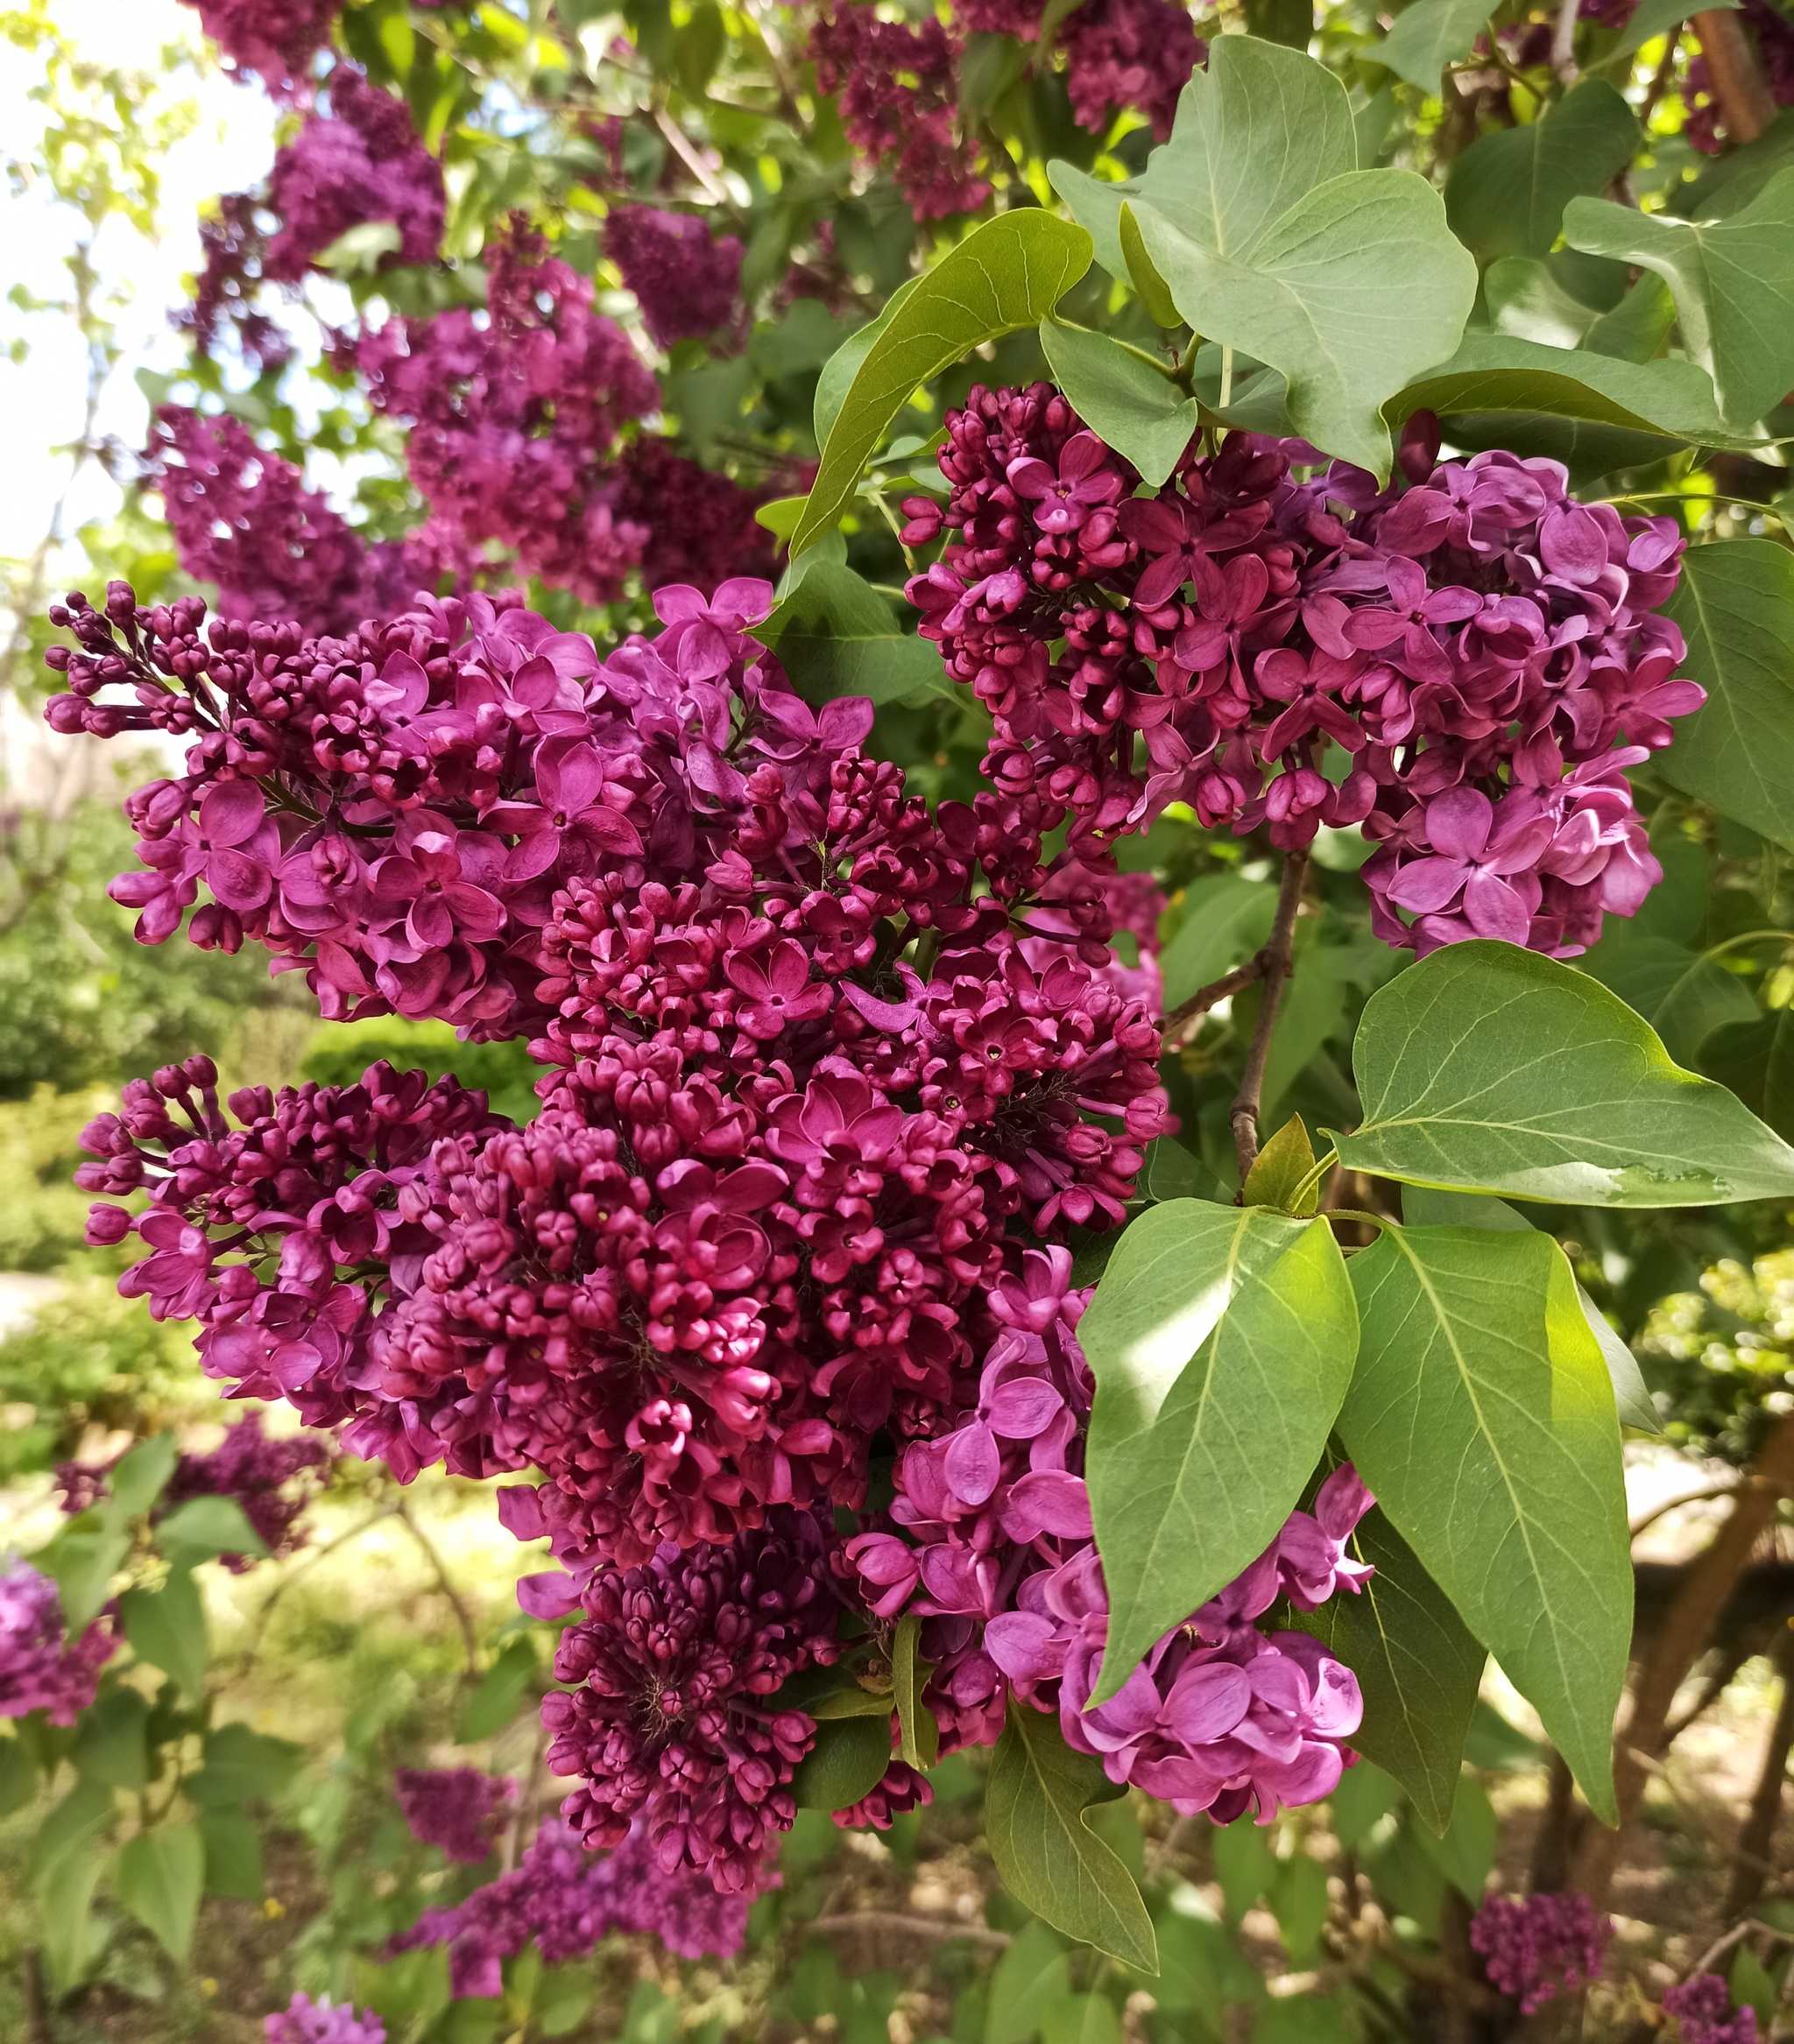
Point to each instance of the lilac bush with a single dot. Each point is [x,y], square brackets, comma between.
[40,1667]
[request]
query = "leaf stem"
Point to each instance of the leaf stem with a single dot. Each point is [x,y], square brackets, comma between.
[1323,1164]
[1277,955]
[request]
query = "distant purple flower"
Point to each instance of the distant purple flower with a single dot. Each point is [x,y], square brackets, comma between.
[566,1898]
[1703,2010]
[687,283]
[40,1667]
[1128,53]
[305,2021]
[275,39]
[454,1807]
[1535,1947]
[363,164]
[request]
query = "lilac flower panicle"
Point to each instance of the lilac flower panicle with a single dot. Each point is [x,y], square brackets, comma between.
[305,2021]
[40,1667]
[687,283]
[899,1790]
[275,39]
[1703,2014]
[1536,1946]
[454,1808]
[567,1899]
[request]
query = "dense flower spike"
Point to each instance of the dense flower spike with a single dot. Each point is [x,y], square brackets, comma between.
[232,243]
[1536,1946]
[1703,2014]
[990,1543]
[1481,648]
[305,2021]
[870,64]
[243,518]
[259,1474]
[40,1667]
[676,1662]
[454,1808]
[363,164]
[686,283]
[566,1900]
[274,39]
[700,525]
[1123,54]
[515,414]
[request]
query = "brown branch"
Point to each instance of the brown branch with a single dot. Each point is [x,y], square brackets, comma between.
[37,2013]
[1757,1834]
[1645,1733]
[1276,956]
[1736,73]
[1663,1511]
[916,1925]
[1217,991]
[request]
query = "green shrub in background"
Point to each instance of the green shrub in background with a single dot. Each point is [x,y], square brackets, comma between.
[340,1051]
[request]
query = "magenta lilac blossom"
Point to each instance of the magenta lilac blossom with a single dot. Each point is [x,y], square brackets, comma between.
[1703,2014]
[276,40]
[687,282]
[454,1808]
[566,1900]
[40,1667]
[1537,1947]
[1485,651]
[305,2021]
[361,165]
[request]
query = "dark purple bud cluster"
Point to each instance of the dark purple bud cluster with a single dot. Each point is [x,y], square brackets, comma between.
[454,1808]
[1482,649]
[1703,2014]
[1119,53]
[687,283]
[40,1667]
[1536,1946]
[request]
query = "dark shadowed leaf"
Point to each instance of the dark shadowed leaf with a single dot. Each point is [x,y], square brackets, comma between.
[846,1763]
[1506,192]
[836,635]
[1139,410]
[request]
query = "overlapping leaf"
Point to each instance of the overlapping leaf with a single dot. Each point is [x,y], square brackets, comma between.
[1506,194]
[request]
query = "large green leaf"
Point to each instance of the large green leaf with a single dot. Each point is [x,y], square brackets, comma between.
[233,1844]
[1426,1207]
[1257,129]
[1481,1417]
[1729,182]
[82,1558]
[1755,1060]
[1417,1664]
[240,1765]
[834,635]
[918,1735]
[1138,410]
[1007,274]
[160,1876]
[1506,195]
[73,1941]
[1488,1069]
[1496,373]
[1733,281]
[1735,606]
[1427,36]
[1527,302]
[1353,290]
[839,371]
[1049,1859]
[1221,1339]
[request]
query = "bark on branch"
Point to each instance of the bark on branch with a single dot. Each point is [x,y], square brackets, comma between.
[1736,73]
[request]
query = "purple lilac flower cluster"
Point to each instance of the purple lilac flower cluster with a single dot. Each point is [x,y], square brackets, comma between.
[259,1473]
[1482,647]
[687,283]
[243,518]
[989,1542]
[899,92]
[773,1165]
[1535,1947]
[566,1898]
[515,416]
[362,162]
[671,1721]
[1119,53]
[454,1808]
[1703,2014]
[40,1667]
[275,40]
[305,2021]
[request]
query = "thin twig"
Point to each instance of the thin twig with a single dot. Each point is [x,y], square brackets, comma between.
[917,1926]
[1660,78]
[1563,41]
[464,1618]
[1277,955]
[693,162]
[1193,1009]
[1662,1510]
[1736,1935]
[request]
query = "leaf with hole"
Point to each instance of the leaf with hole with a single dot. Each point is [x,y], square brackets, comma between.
[1007,274]
[1733,281]
[1488,1069]
[1221,1340]
[1481,1417]
[1047,1856]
